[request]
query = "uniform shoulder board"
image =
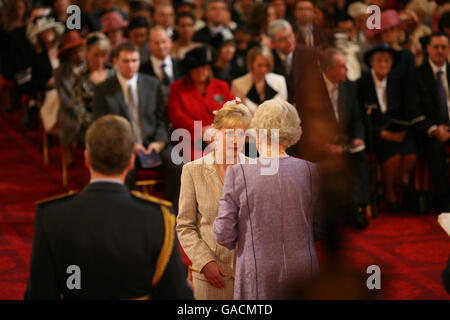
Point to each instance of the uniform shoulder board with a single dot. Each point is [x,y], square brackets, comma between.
[57,197]
[151,199]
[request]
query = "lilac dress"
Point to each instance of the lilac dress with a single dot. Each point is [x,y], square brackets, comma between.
[270,220]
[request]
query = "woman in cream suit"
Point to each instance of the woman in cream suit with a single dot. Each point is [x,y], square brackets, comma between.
[201,189]
[260,84]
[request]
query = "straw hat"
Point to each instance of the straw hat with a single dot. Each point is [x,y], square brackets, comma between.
[40,25]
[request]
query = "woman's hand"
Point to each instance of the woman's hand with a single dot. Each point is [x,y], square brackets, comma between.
[213,274]
[391,136]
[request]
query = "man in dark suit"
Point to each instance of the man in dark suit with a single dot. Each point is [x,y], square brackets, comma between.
[139,98]
[215,31]
[161,65]
[333,131]
[283,43]
[307,33]
[106,243]
[429,108]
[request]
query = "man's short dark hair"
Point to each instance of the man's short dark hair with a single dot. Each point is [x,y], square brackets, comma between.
[125,46]
[436,34]
[110,144]
[184,14]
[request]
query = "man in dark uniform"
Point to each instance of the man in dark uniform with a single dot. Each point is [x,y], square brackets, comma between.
[106,243]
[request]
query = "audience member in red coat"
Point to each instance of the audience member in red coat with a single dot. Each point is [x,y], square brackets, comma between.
[195,97]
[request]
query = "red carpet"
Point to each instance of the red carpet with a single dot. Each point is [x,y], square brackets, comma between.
[411,250]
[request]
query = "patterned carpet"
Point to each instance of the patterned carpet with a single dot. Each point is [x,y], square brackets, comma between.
[411,250]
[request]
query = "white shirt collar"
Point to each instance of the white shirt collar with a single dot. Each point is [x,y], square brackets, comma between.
[378,83]
[109,180]
[435,68]
[126,82]
[285,57]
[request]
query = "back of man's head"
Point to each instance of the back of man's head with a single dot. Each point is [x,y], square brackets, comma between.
[110,144]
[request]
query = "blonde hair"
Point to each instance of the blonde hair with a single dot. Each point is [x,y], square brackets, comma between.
[99,40]
[280,119]
[263,51]
[233,113]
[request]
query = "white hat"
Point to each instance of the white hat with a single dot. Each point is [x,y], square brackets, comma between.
[357,9]
[40,25]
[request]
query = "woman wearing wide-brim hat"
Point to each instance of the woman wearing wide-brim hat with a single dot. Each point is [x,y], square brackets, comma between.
[196,96]
[113,25]
[390,32]
[393,143]
[44,35]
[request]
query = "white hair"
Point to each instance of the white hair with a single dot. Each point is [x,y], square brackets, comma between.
[280,119]
[276,25]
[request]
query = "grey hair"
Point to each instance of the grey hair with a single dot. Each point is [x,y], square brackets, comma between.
[327,58]
[280,119]
[276,25]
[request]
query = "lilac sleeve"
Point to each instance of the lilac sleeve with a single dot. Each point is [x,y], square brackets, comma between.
[225,227]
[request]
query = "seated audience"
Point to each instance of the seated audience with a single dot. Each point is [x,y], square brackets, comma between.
[276,238]
[393,144]
[72,59]
[113,25]
[195,97]
[138,97]
[160,64]
[164,16]
[138,34]
[215,30]
[185,22]
[307,33]
[95,71]
[223,67]
[260,83]
[104,6]
[262,15]
[44,34]
[428,106]
[283,44]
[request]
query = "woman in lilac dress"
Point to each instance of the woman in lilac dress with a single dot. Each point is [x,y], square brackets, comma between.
[267,207]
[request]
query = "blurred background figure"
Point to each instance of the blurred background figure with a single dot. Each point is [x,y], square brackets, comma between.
[283,43]
[185,27]
[160,64]
[164,16]
[261,16]
[215,30]
[72,58]
[260,83]
[223,67]
[138,34]
[394,146]
[95,71]
[104,6]
[390,33]
[44,34]
[195,97]
[113,26]
[243,37]
[241,11]
[141,8]
[307,33]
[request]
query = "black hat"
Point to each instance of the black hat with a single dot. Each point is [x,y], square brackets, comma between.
[382,47]
[138,22]
[197,57]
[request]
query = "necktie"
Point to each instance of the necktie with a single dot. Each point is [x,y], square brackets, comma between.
[134,113]
[335,101]
[165,76]
[442,99]
[309,38]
